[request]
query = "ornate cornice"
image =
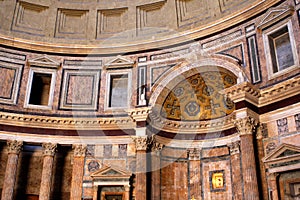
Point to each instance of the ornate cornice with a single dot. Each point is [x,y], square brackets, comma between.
[243,91]
[140,114]
[14,146]
[280,91]
[70,123]
[49,149]
[142,143]
[234,147]
[246,126]
[79,150]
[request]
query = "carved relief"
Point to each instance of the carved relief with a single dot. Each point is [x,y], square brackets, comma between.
[234,147]
[194,154]
[93,166]
[49,149]
[297,121]
[79,150]
[14,146]
[282,126]
[246,125]
[199,98]
[270,147]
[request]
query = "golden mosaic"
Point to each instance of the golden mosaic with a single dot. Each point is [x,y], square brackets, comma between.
[198,97]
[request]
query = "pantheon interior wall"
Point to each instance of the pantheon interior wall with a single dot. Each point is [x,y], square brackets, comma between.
[149,100]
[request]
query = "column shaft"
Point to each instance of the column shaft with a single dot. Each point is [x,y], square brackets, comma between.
[155,176]
[249,168]
[14,148]
[141,177]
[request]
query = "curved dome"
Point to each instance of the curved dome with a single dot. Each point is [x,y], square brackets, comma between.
[117,26]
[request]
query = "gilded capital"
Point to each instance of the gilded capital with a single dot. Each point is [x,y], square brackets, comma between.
[234,147]
[79,150]
[141,143]
[49,149]
[194,153]
[245,125]
[14,146]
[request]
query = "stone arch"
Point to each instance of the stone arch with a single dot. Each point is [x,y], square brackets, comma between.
[165,84]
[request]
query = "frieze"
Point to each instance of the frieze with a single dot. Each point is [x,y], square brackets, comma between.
[14,146]
[63,123]
[49,149]
[79,150]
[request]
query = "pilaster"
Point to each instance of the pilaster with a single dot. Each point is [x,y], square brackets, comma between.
[77,171]
[194,156]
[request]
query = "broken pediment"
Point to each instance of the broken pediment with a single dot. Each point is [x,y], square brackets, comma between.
[119,62]
[283,155]
[44,61]
[110,172]
[274,15]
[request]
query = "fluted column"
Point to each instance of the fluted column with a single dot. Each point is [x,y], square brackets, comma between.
[14,148]
[246,128]
[195,175]
[234,149]
[155,169]
[77,171]
[272,183]
[141,166]
[45,188]
[261,154]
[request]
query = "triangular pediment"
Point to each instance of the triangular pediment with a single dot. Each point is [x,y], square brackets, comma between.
[119,62]
[111,172]
[282,153]
[44,61]
[275,14]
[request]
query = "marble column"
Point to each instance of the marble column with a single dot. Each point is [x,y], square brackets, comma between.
[127,192]
[14,148]
[141,143]
[260,148]
[48,153]
[195,175]
[155,169]
[234,149]
[272,183]
[77,171]
[246,128]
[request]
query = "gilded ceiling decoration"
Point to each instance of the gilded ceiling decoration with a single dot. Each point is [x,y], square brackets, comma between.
[198,97]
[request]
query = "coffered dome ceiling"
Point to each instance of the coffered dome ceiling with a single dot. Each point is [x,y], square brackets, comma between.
[198,97]
[104,26]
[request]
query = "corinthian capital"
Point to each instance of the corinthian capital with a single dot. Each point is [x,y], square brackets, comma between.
[194,153]
[141,143]
[156,146]
[245,125]
[49,149]
[14,146]
[234,147]
[79,150]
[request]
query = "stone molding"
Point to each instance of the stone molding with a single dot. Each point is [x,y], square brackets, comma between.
[246,126]
[142,143]
[234,147]
[194,154]
[205,126]
[49,149]
[79,150]
[14,146]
